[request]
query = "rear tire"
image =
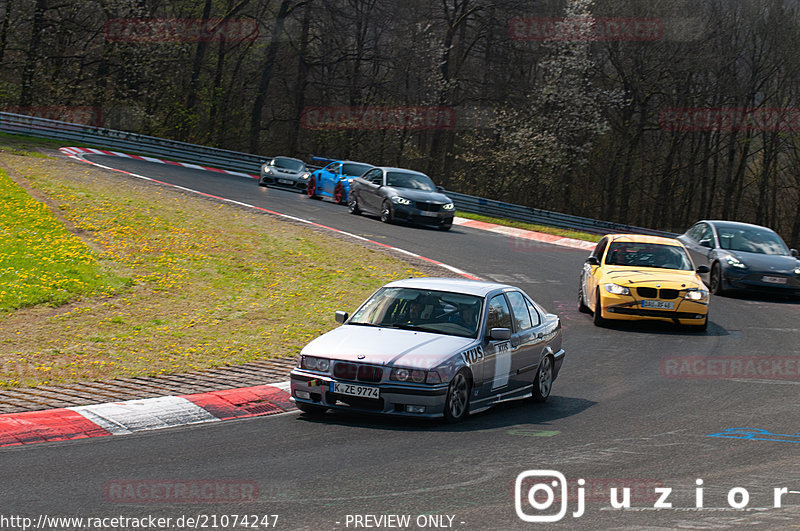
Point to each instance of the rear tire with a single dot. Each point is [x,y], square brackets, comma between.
[543,383]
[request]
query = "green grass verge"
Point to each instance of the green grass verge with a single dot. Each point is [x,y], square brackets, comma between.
[210,284]
[530,226]
[40,261]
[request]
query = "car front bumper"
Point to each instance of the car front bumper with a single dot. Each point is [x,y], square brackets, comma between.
[754,280]
[628,308]
[412,214]
[395,397]
[291,181]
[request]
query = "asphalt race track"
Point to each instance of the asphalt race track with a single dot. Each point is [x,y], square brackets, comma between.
[634,406]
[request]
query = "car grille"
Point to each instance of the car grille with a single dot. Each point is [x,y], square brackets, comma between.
[429,207]
[653,293]
[357,371]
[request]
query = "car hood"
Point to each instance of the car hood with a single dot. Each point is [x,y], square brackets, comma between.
[765,262]
[422,195]
[387,346]
[650,276]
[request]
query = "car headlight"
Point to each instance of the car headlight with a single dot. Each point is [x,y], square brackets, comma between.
[415,375]
[401,200]
[735,262]
[315,364]
[267,170]
[306,175]
[449,206]
[797,270]
[696,295]
[616,289]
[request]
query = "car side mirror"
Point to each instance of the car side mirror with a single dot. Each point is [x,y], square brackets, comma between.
[705,243]
[702,270]
[794,253]
[341,316]
[500,334]
[593,261]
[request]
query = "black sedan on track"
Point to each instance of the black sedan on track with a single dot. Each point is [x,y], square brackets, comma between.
[742,256]
[402,195]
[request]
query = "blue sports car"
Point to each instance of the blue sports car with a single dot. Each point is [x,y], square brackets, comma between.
[334,180]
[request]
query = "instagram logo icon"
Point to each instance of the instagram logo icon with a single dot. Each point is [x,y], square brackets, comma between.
[535,492]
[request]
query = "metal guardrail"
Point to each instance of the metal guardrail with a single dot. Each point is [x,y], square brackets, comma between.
[131,142]
[499,209]
[249,163]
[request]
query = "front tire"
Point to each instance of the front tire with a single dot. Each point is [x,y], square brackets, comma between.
[386,212]
[339,195]
[715,280]
[311,188]
[543,382]
[581,304]
[456,405]
[598,311]
[353,205]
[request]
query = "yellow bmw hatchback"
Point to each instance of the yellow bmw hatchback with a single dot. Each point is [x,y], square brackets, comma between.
[631,276]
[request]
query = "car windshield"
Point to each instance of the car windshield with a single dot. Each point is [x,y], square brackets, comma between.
[648,255]
[761,241]
[440,312]
[402,179]
[287,164]
[355,170]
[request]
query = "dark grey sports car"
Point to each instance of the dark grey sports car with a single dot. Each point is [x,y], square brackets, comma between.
[284,171]
[399,194]
[742,256]
[432,347]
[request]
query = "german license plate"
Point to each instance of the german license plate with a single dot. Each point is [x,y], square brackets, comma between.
[285,181]
[661,305]
[427,213]
[774,280]
[355,390]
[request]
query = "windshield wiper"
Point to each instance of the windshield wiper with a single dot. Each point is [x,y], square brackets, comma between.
[404,326]
[366,324]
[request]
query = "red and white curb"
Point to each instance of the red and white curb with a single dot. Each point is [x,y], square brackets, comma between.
[132,416]
[525,234]
[76,152]
[79,154]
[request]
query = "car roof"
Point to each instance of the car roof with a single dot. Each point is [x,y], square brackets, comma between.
[643,238]
[479,288]
[390,168]
[734,224]
[287,158]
